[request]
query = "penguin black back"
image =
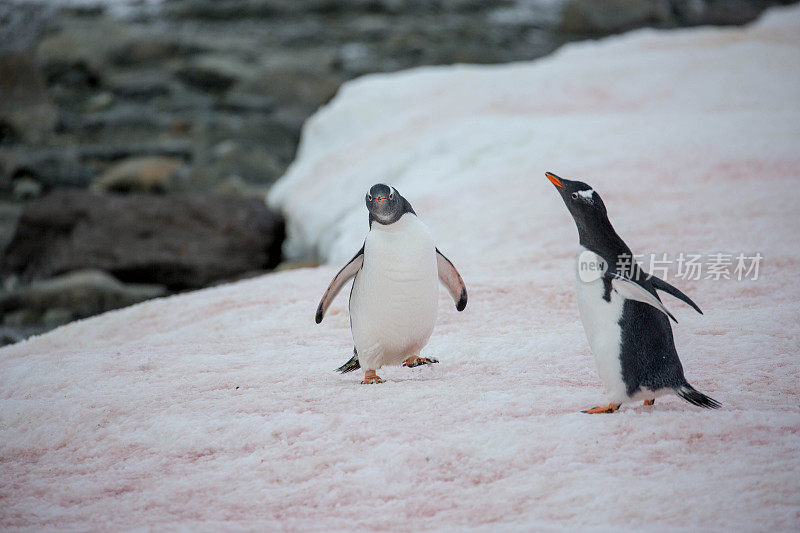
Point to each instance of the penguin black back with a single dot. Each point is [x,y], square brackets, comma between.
[645,350]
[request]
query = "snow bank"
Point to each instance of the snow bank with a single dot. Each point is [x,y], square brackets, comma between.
[219,409]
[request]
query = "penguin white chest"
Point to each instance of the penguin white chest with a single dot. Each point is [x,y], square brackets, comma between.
[393,305]
[600,319]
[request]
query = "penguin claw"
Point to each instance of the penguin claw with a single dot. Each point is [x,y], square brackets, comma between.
[610,408]
[413,361]
[649,402]
[370,377]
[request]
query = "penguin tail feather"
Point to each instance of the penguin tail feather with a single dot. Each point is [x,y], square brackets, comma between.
[695,397]
[350,365]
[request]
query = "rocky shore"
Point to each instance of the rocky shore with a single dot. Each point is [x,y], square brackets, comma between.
[137,139]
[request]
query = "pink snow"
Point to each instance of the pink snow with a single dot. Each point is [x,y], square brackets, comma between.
[220,410]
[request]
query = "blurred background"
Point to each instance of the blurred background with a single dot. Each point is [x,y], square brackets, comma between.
[139,138]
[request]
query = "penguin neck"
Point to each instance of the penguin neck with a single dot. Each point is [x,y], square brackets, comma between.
[599,236]
[393,227]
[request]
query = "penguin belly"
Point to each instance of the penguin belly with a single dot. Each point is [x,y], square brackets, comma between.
[394,301]
[601,322]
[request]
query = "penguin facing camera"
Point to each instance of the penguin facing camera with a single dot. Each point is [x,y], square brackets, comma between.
[625,322]
[394,297]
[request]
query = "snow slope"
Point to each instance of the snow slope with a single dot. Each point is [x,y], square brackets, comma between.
[219,409]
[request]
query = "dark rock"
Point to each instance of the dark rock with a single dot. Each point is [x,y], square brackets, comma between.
[72,76]
[73,295]
[10,335]
[9,215]
[86,41]
[140,84]
[181,241]
[126,122]
[110,152]
[729,12]
[51,168]
[75,54]
[213,73]
[269,134]
[26,113]
[287,85]
[243,102]
[144,50]
[229,160]
[601,17]
[21,318]
[52,318]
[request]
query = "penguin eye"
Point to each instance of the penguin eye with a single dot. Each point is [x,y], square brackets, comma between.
[391,196]
[369,197]
[574,196]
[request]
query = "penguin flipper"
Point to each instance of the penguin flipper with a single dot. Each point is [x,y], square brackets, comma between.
[451,279]
[633,291]
[662,285]
[345,274]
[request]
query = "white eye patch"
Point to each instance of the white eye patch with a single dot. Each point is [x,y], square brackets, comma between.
[587,195]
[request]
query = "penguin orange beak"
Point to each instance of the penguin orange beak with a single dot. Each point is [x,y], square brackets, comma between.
[555,180]
[380,199]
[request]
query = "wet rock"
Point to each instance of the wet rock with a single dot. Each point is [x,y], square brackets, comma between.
[78,294]
[82,43]
[182,148]
[9,335]
[246,102]
[21,318]
[287,85]
[246,162]
[181,241]
[26,113]
[252,134]
[140,84]
[52,318]
[213,73]
[727,12]
[9,215]
[50,168]
[124,123]
[155,174]
[601,17]
[144,50]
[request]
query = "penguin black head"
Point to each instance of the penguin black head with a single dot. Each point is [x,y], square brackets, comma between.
[585,206]
[386,205]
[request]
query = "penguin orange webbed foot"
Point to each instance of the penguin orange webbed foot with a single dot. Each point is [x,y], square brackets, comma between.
[649,402]
[413,361]
[370,377]
[610,408]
